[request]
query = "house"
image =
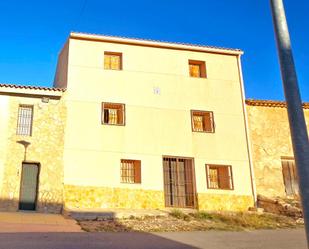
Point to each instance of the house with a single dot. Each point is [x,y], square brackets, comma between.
[129,123]
[274,167]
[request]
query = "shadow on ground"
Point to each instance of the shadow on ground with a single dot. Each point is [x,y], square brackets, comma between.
[87,241]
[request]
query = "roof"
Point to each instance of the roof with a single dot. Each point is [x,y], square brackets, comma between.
[155,43]
[6,85]
[32,91]
[271,103]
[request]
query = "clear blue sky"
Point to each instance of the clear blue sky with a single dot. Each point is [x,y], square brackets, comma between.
[33,32]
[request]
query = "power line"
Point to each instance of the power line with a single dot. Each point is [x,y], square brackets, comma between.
[83,7]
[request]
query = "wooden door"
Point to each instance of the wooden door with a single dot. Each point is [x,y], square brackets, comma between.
[179,185]
[290,177]
[29,185]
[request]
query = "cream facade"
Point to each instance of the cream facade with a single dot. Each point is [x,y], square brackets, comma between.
[158,93]
[81,157]
[271,147]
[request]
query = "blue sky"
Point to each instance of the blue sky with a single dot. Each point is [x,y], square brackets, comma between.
[33,32]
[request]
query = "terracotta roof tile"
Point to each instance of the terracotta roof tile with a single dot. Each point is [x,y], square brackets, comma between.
[271,103]
[6,85]
[159,41]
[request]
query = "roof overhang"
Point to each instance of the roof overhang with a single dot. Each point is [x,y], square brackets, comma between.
[157,44]
[30,91]
[271,103]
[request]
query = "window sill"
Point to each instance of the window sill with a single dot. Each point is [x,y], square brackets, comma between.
[203,131]
[113,124]
[228,189]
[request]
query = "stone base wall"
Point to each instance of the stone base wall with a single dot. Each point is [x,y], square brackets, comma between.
[224,202]
[104,197]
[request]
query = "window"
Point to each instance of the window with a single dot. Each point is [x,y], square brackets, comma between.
[130,171]
[113,114]
[197,69]
[24,121]
[202,121]
[113,61]
[219,177]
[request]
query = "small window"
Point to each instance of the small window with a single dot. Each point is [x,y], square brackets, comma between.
[24,121]
[202,121]
[197,69]
[130,171]
[113,114]
[219,177]
[112,61]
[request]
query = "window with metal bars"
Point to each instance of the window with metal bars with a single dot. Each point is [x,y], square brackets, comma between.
[130,171]
[202,121]
[113,61]
[219,177]
[24,120]
[113,114]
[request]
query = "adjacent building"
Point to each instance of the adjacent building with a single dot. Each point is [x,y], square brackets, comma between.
[31,148]
[274,167]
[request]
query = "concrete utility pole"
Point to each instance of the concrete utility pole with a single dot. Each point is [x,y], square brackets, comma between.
[297,122]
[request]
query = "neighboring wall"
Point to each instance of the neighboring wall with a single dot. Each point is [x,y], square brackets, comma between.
[270,141]
[61,75]
[46,148]
[157,123]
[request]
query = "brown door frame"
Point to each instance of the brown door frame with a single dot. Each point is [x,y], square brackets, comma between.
[195,201]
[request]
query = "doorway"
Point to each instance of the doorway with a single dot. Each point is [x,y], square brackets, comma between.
[290,177]
[29,186]
[179,182]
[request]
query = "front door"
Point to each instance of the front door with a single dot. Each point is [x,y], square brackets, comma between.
[179,182]
[28,188]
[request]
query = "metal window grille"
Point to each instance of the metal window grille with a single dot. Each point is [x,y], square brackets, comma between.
[112,61]
[113,114]
[219,177]
[202,121]
[24,120]
[179,184]
[130,171]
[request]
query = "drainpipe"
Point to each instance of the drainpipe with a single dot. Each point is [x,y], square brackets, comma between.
[253,186]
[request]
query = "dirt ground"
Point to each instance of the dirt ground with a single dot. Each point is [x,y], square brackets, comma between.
[201,221]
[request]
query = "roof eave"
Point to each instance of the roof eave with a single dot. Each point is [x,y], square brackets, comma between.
[150,43]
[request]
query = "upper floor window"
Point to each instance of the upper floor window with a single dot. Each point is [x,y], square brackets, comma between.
[202,121]
[24,121]
[130,171]
[113,60]
[113,114]
[219,177]
[197,69]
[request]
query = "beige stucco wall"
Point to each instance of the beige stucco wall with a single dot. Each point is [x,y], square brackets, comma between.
[270,140]
[156,124]
[46,148]
[61,75]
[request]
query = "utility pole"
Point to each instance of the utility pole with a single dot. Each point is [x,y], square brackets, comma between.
[297,122]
